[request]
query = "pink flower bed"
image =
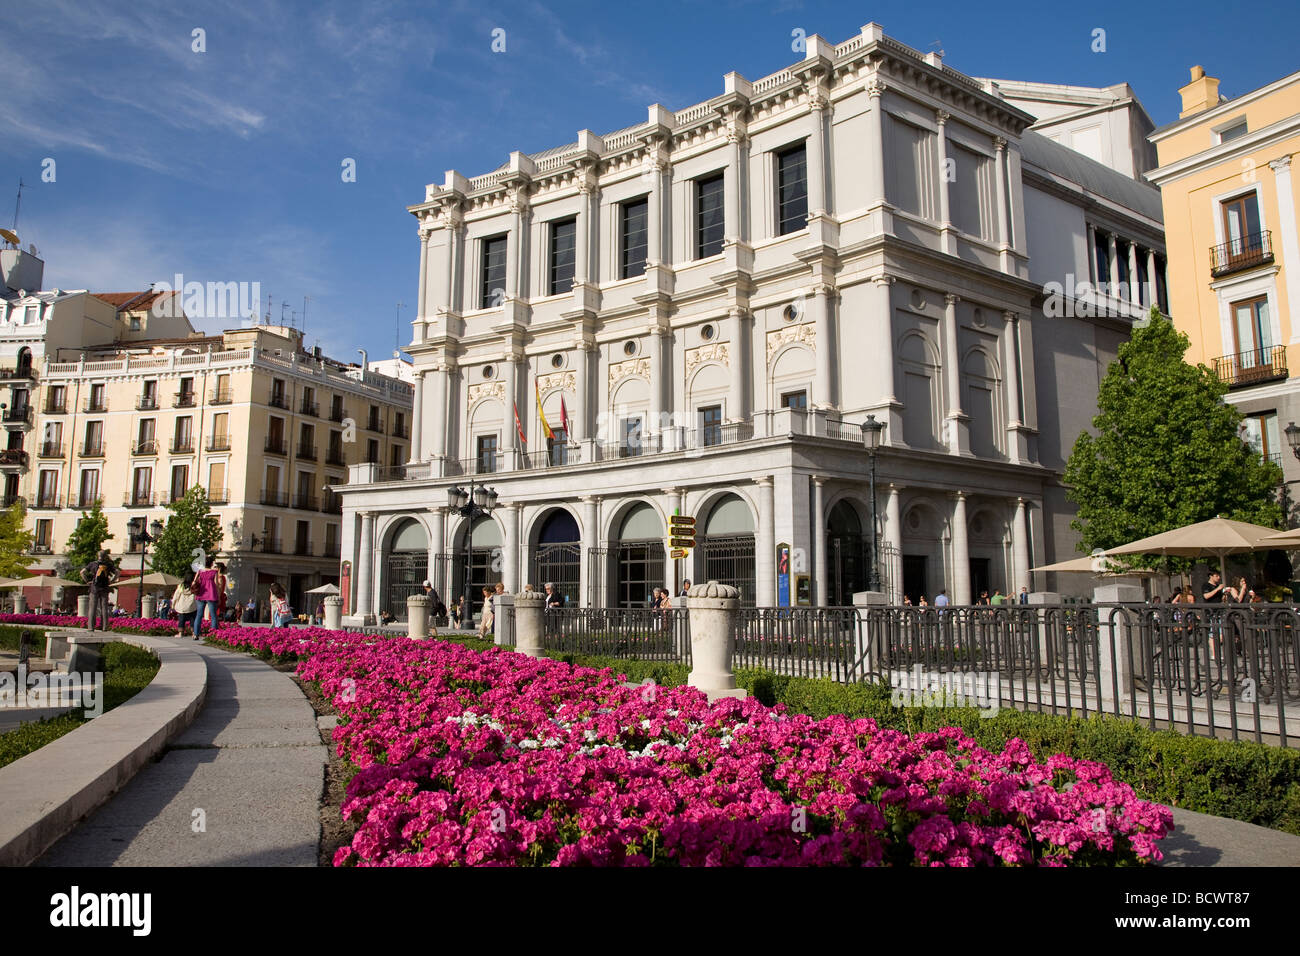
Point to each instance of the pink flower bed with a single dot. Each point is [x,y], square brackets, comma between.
[152,626]
[494,758]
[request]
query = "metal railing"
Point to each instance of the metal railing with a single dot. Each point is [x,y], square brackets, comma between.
[335,457]
[276,446]
[309,408]
[219,396]
[307,451]
[50,449]
[56,408]
[146,403]
[45,503]
[182,446]
[269,545]
[304,502]
[18,372]
[8,501]
[633,633]
[279,401]
[90,405]
[337,414]
[217,443]
[148,446]
[302,547]
[1245,252]
[184,400]
[1252,367]
[275,499]
[92,449]
[19,414]
[137,500]
[798,641]
[79,502]
[556,457]
[332,504]
[13,456]
[218,496]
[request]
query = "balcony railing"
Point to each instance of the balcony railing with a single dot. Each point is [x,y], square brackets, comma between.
[50,449]
[41,547]
[1246,252]
[8,501]
[279,401]
[20,373]
[18,415]
[182,446]
[302,547]
[309,408]
[92,449]
[375,425]
[401,431]
[218,496]
[13,456]
[79,502]
[134,499]
[337,414]
[333,550]
[56,408]
[46,503]
[218,443]
[1253,367]
[269,545]
[184,400]
[94,406]
[219,396]
[305,502]
[146,403]
[147,446]
[275,499]
[276,446]
[332,505]
[307,451]
[335,457]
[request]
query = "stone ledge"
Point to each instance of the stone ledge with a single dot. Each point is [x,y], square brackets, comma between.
[46,793]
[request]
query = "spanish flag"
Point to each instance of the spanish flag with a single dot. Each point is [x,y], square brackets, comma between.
[546,428]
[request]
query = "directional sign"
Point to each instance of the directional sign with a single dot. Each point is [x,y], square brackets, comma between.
[677,554]
[681,531]
[681,542]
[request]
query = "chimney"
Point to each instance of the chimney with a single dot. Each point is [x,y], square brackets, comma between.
[1201,94]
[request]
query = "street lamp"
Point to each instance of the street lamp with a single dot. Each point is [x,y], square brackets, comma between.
[135,527]
[478,501]
[871,432]
[1292,432]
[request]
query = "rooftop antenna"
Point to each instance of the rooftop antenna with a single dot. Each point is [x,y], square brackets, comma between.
[304,313]
[283,305]
[267,320]
[18,205]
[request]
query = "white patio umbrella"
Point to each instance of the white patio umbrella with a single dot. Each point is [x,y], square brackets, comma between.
[325,589]
[1218,536]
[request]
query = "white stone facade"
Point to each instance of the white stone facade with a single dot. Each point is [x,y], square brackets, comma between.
[910,287]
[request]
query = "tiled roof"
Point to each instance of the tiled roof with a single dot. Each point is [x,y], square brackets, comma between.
[136,301]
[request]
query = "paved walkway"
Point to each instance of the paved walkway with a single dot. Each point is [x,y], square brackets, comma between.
[252,762]
[1202,840]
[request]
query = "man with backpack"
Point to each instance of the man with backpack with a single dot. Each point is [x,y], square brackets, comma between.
[100,574]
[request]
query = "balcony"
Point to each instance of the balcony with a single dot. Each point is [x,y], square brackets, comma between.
[18,415]
[94,406]
[219,396]
[8,501]
[302,547]
[279,401]
[401,431]
[82,502]
[218,496]
[332,505]
[335,457]
[333,550]
[182,446]
[217,443]
[1253,367]
[13,457]
[46,503]
[92,449]
[309,408]
[307,451]
[305,502]
[336,414]
[276,446]
[22,373]
[275,499]
[59,407]
[41,547]
[269,545]
[1247,252]
[50,449]
[138,499]
[146,403]
[375,425]
[146,446]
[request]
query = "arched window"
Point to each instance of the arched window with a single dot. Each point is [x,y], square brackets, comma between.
[921,400]
[640,556]
[727,547]
[982,402]
[558,556]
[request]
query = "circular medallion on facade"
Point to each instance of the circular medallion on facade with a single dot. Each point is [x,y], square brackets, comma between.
[790,312]
[629,347]
[708,332]
[489,371]
[557,360]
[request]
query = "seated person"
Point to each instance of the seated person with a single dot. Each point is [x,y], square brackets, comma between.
[386,617]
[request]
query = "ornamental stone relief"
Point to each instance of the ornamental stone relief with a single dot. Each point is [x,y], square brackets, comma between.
[637,366]
[713,352]
[480,390]
[804,333]
[567,381]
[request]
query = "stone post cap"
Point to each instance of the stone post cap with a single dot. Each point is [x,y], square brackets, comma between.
[333,599]
[417,599]
[712,589]
[530,598]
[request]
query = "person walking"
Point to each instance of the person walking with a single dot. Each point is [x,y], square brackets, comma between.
[183,604]
[100,575]
[487,619]
[221,585]
[281,613]
[204,589]
[1024,596]
[554,599]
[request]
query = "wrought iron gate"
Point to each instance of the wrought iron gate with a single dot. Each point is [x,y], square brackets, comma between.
[729,559]
[560,564]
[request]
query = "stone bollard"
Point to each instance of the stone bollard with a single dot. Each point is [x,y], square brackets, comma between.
[148,605]
[712,608]
[504,618]
[1114,657]
[20,602]
[334,612]
[869,650]
[83,605]
[417,617]
[530,606]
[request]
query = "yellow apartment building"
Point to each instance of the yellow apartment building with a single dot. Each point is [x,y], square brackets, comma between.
[262,423]
[1225,177]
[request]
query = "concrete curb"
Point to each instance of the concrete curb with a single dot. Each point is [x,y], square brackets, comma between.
[46,793]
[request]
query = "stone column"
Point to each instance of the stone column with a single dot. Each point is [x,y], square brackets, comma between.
[437,546]
[456,261]
[894,537]
[1112,254]
[509,436]
[421,306]
[417,617]
[823,376]
[334,612]
[819,540]
[956,419]
[737,353]
[515,241]
[877,201]
[655,225]
[818,105]
[1019,549]
[590,538]
[365,569]
[417,417]
[510,567]
[503,619]
[674,503]
[1288,237]
[1134,283]
[438,413]
[765,560]
[529,609]
[658,376]
[581,230]
[881,311]
[948,237]
[960,553]
[712,609]
[1114,657]
[20,603]
[83,605]
[1151,298]
[1092,253]
[1011,375]
[581,376]
[1004,229]
[731,197]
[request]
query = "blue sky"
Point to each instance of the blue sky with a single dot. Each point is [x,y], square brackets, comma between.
[225,165]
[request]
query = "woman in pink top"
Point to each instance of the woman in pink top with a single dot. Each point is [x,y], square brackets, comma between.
[205,595]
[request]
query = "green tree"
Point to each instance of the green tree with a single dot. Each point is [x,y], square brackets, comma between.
[1167,450]
[191,527]
[15,542]
[87,538]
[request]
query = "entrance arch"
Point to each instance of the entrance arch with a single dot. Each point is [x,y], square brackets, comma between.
[848,558]
[639,557]
[406,563]
[727,546]
[558,555]
[486,561]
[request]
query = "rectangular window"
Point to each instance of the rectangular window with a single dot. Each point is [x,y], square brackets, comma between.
[630,447]
[48,489]
[58,397]
[94,438]
[792,189]
[217,481]
[372,451]
[1101,256]
[1241,228]
[486,453]
[89,489]
[221,425]
[141,486]
[221,395]
[180,481]
[184,436]
[150,397]
[797,400]
[302,538]
[563,252]
[709,200]
[633,237]
[711,425]
[1252,332]
[44,529]
[1235,131]
[1260,432]
[492,282]
[96,403]
[557,448]
[272,484]
[186,393]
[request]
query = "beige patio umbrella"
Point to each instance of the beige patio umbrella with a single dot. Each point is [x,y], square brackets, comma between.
[41,580]
[154,579]
[1285,540]
[1094,563]
[1219,536]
